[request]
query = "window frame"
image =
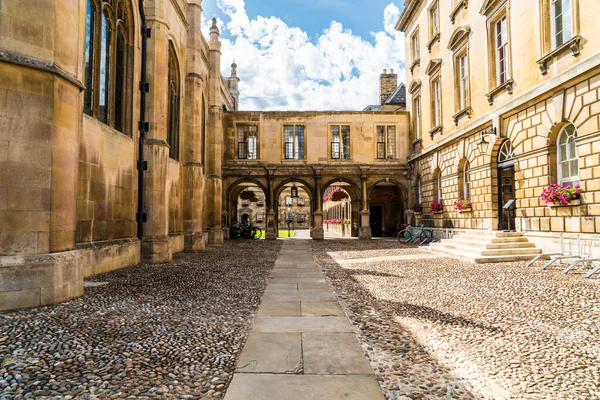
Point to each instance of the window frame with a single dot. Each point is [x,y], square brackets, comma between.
[117,66]
[417,112]
[419,191]
[343,152]
[389,142]
[173,104]
[549,49]
[295,146]
[436,101]
[496,86]
[553,20]
[466,180]
[571,179]
[434,22]
[246,141]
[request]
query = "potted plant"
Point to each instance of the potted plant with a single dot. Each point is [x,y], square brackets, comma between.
[437,207]
[248,195]
[339,196]
[561,196]
[389,195]
[463,205]
[418,209]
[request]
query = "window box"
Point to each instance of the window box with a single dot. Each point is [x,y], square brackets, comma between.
[461,4]
[506,86]
[573,44]
[466,210]
[418,213]
[574,202]
[465,111]
[438,212]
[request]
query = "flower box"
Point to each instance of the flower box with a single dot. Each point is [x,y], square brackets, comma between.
[574,202]
[418,213]
[466,210]
[438,212]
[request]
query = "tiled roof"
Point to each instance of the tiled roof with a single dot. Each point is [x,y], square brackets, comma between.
[398,97]
[373,108]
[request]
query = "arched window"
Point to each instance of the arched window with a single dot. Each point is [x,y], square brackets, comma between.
[203,132]
[467,181]
[105,36]
[568,170]
[173,106]
[420,191]
[438,186]
[90,37]
[107,62]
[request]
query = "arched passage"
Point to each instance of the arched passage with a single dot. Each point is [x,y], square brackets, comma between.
[346,209]
[300,211]
[387,202]
[249,198]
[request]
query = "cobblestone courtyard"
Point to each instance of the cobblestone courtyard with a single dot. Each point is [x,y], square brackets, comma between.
[433,328]
[166,331]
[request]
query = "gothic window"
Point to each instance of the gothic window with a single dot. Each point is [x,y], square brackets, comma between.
[247,142]
[105,34]
[568,169]
[107,64]
[203,131]
[90,37]
[173,106]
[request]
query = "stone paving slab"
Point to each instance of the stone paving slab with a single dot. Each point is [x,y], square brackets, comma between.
[303,387]
[302,346]
[279,309]
[333,353]
[302,324]
[272,352]
[321,309]
[299,296]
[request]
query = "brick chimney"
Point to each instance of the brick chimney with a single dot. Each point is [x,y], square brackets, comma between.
[387,85]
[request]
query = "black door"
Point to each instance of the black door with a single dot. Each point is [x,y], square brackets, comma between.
[375,220]
[506,192]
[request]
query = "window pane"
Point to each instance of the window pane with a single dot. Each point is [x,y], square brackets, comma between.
[391,142]
[104,69]
[299,142]
[288,131]
[380,142]
[90,29]
[121,67]
[345,142]
[252,148]
[335,133]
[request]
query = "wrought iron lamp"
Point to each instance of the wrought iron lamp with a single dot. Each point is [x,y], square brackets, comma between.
[294,191]
[483,144]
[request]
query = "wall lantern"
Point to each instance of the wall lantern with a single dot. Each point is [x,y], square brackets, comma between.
[294,190]
[483,144]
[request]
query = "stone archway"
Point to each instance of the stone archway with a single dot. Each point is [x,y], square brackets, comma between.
[387,202]
[273,217]
[354,191]
[231,210]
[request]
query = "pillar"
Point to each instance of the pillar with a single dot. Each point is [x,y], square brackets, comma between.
[214,177]
[193,169]
[272,225]
[364,232]
[317,232]
[156,244]
[40,118]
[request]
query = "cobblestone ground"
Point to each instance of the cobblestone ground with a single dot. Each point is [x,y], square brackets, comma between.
[166,331]
[441,328]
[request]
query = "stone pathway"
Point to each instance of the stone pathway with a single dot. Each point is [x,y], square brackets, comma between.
[302,346]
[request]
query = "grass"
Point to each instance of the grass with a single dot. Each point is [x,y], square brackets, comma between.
[283,233]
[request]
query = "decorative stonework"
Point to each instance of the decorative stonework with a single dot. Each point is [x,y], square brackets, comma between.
[465,111]
[459,6]
[434,40]
[505,87]
[573,45]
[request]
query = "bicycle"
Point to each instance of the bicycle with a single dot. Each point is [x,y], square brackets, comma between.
[246,231]
[415,235]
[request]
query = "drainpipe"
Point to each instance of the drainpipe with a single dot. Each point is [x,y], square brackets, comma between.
[143,127]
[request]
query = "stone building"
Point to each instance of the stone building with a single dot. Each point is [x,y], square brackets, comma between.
[504,101]
[120,142]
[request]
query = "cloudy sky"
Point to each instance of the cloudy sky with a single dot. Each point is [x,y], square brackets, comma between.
[308,54]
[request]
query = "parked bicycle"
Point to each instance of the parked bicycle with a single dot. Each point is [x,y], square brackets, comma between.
[244,231]
[415,235]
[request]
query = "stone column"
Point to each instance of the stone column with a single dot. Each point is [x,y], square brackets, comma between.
[193,170]
[272,225]
[155,244]
[214,183]
[364,231]
[317,232]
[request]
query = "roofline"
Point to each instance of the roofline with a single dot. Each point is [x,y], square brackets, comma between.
[324,112]
[409,8]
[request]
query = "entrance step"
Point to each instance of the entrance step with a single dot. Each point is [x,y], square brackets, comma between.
[487,247]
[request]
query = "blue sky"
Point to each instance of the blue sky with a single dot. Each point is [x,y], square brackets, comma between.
[307,54]
[313,16]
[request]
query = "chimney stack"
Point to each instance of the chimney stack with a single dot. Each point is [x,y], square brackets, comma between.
[387,85]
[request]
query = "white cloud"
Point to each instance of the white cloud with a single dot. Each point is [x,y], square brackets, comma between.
[282,69]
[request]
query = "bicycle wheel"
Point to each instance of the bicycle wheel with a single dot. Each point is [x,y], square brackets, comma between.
[426,236]
[404,236]
[256,233]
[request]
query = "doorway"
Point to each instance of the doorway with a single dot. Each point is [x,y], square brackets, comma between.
[506,186]
[245,219]
[375,220]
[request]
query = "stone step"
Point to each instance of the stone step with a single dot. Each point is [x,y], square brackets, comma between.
[490,239]
[490,234]
[473,250]
[489,246]
[477,258]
